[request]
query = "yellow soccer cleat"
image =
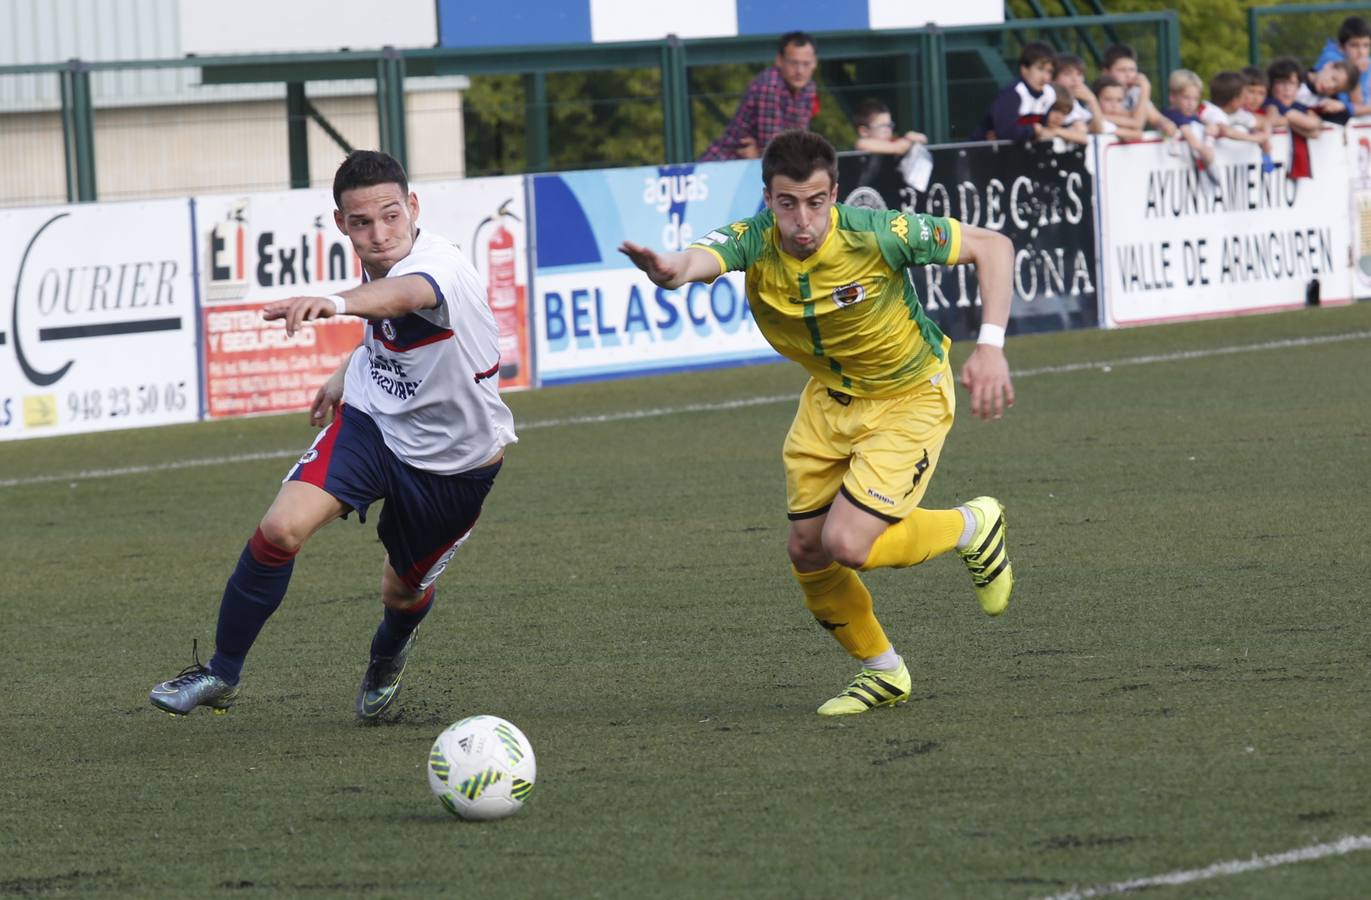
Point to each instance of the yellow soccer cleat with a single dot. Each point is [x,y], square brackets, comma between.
[870,689]
[986,556]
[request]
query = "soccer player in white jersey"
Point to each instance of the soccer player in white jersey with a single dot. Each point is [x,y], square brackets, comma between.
[413,417]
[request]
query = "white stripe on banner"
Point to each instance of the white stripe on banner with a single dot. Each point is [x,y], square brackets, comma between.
[655,412]
[1340,847]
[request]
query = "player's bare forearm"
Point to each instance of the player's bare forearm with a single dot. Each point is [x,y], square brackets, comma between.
[986,372]
[384,298]
[671,270]
[993,254]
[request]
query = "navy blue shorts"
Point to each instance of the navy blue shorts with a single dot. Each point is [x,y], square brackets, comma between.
[426,516]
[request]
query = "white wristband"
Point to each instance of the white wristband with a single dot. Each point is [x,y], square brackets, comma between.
[991,334]
[340,306]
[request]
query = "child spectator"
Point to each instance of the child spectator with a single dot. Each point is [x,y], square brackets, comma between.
[1183,108]
[1283,107]
[876,130]
[1225,114]
[1353,45]
[1018,111]
[1056,126]
[1121,61]
[1110,95]
[1254,91]
[1069,80]
[1320,88]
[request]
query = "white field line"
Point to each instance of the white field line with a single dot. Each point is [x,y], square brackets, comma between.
[1340,847]
[626,415]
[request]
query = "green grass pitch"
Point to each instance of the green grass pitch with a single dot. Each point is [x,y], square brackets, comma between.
[1182,679]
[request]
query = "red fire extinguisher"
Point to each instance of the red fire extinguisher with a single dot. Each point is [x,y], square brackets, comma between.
[502,290]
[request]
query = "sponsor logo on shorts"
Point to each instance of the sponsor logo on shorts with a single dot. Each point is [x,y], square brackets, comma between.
[310,456]
[849,294]
[881,497]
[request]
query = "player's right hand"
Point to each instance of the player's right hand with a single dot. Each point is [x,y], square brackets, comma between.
[299,310]
[659,268]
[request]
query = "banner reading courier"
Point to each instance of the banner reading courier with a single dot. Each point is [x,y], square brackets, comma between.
[97,318]
[1039,198]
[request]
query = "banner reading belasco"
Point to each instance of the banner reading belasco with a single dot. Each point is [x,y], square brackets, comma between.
[97,325]
[1039,198]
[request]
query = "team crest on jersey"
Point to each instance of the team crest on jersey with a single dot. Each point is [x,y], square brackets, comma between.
[900,225]
[310,456]
[739,228]
[388,329]
[849,294]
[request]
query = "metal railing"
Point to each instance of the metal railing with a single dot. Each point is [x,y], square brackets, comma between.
[912,66]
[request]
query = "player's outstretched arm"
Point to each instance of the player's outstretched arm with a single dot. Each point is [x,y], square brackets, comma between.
[986,373]
[384,298]
[671,270]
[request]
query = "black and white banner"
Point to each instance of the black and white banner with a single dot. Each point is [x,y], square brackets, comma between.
[97,318]
[1180,243]
[1040,198]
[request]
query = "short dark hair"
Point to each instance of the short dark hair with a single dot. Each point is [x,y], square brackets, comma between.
[798,154]
[1115,52]
[1035,52]
[798,39]
[1225,87]
[1283,69]
[367,168]
[1349,71]
[1068,61]
[1104,81]
[1353,27]
[868,110]
[1253,75]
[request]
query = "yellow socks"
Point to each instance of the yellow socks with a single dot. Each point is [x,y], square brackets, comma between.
[842,604]
[926,533]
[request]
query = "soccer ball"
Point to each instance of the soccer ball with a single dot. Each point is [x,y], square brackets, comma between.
[482,767]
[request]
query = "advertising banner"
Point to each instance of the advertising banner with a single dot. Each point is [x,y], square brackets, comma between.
[596,315]
[1181,243]
[254,249]
[487,219]
[262,247]
[1039,197]
[1359,193]
[97,319]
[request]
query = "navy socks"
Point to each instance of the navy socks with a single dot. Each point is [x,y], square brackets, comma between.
[396,626]
[253,592]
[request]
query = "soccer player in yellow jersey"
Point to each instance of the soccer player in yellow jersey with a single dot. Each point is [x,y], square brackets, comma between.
[828,289]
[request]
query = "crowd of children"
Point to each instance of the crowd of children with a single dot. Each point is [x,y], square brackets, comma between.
[1051,101]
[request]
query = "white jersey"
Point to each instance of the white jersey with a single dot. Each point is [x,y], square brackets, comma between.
[1079,113]
[430,379]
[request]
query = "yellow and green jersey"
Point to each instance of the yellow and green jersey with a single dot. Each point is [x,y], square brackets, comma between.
[847,313]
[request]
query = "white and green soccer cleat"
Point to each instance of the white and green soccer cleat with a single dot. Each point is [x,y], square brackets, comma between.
[986,557]
[870,689]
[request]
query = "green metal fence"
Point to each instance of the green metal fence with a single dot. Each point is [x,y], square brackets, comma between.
[935,80]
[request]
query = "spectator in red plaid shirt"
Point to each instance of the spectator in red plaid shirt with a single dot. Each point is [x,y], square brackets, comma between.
[782,97]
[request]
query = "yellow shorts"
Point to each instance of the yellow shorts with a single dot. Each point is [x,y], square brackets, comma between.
[880,453]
